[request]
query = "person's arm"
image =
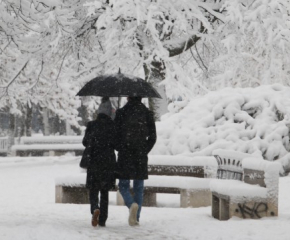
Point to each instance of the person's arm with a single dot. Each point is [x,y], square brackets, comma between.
[118,130]
[152,136]
[87,135]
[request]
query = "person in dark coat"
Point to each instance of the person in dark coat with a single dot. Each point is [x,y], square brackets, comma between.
[100,139]
[134,141]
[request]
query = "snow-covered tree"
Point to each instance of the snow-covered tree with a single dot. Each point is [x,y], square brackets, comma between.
[254,44]
[184,48]
[144,38]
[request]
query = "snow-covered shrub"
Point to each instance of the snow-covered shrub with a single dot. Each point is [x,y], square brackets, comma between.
[249,120]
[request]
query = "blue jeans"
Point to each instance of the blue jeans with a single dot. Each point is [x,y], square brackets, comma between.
[138,186]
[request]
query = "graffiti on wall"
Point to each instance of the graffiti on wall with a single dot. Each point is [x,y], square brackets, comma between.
[252,211]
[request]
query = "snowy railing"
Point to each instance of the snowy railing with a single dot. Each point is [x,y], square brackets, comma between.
[3,144]
[51,140]
[48,145]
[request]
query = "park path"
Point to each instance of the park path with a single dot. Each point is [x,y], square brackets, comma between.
[28,212]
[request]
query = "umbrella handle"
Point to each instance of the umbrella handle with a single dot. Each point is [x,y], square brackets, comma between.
[119,102]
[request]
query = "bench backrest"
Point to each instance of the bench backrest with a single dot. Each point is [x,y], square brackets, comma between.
[229,168]
[169,165]
[264,173]
[169,170]
[254,177]
[230,164]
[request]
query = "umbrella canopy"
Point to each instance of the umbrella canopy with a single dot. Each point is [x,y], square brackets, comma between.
[118,85]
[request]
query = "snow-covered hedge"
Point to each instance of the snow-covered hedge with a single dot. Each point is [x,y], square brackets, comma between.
[249,120]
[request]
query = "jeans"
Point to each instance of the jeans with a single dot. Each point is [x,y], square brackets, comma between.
[94,200]
[138,186]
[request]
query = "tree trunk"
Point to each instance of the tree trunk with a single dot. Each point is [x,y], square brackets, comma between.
[155,75]
[28,121]
[45,122]
[11,132]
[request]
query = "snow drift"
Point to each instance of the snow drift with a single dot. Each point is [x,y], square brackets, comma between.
[249,120]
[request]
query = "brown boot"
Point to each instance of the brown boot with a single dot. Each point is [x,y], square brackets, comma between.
[95,218]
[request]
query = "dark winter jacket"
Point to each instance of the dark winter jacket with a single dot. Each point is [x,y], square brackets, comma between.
[100,139]
[133,163]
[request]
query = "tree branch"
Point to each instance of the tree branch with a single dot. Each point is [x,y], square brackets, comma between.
[176,50]
[200,58]
[13,79]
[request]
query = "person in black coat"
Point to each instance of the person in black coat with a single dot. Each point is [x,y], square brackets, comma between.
[100,140]
[136,136]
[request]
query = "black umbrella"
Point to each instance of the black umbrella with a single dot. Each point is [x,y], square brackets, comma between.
[118,85]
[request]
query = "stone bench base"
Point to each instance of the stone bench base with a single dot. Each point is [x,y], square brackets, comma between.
[224,209]
[188,197]
[76,195]
[149,199]
[195,198]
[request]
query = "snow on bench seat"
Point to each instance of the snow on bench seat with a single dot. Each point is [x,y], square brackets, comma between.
[177,182]
[181,160]
[237,189]
[78,179]
[153,181]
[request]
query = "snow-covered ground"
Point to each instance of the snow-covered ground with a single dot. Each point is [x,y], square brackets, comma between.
[28,211]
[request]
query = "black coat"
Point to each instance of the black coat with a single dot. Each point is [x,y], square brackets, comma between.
[133,164]
[100,140]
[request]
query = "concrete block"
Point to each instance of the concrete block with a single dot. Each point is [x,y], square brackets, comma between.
[66,194]
[195,198]
[149,199]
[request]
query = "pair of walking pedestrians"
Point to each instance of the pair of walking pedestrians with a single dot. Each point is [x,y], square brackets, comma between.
[133,135]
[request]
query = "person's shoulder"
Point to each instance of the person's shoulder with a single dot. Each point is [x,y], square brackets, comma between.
[91,123]
[119,111]
[144,108]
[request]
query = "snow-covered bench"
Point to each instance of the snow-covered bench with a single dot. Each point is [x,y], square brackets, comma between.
[247,188]
[167,174]
[49,145]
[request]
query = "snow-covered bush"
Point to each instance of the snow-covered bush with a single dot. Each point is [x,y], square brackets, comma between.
[249,120]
